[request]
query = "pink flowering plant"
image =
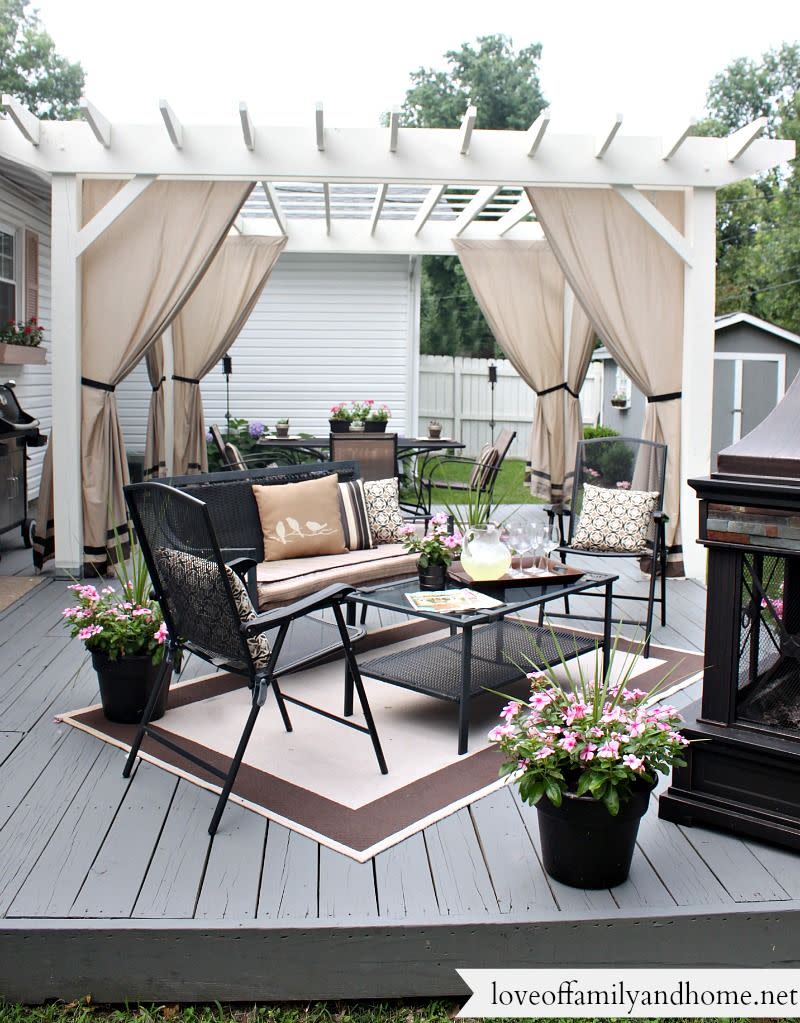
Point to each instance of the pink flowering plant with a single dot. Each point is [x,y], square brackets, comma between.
[588,737]
[379,413]
[121,621]
[437,546]
[341,410]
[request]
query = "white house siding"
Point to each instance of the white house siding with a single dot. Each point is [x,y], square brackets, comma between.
[21,211]
[326,328]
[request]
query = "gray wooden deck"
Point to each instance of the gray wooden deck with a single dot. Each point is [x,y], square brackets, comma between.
[113,887]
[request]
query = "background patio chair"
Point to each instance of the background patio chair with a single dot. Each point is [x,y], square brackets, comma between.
[624,463]
[376,453]
[208,612]
[483,475]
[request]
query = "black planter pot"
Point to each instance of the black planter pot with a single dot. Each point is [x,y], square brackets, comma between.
[434,577]
[375,425]
[340,425]
[126,685]
[583,845]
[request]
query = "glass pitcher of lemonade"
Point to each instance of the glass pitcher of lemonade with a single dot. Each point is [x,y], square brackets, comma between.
[484,556]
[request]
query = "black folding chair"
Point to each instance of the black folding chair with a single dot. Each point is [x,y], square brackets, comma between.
[208,612]
[627,463]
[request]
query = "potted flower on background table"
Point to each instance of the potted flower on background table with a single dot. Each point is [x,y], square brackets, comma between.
[585,752]
[437,549]
[124,631]
[377,418]
[340,417]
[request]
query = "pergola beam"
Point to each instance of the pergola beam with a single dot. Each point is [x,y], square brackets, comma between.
[535,134]
[101,126]
[473,208]
[117,205]
[656,219]
[248,131]
[467,127]
[377,206]
[319,127]
[27,123]
[427,207]
[172,124]
[394,129]
[672,146]
[326,195]
[518,212]
[740,141]
[603,142]
[275,205]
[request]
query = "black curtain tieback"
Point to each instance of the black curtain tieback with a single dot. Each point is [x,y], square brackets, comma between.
[98,384]
[158,385]
[672,396]
[185,380]
[558,387]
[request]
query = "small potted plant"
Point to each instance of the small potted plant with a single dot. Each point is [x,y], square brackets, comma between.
[340,418]
[619,399]
[125,633]
[282,428]
[437,550]
[585,752]
[377,418]
[434,429]
[359,410]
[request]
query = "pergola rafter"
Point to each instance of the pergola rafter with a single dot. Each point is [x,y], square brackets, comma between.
[419,189]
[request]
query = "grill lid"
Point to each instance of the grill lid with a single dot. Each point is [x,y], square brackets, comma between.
[13,418]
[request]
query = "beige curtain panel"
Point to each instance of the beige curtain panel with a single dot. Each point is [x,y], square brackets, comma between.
[630,282]
[206,328]
[155,463]
[521,291]
[136,277]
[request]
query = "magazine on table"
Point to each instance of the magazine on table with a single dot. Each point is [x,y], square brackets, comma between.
[451,601]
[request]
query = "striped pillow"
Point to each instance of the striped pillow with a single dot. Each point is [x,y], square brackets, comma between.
[355,523]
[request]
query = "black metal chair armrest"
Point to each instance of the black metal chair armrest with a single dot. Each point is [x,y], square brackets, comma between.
[241,566]
[333,594]
[557,509]
[660,516]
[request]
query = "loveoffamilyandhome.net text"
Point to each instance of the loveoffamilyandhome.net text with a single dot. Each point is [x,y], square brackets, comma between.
[666,994]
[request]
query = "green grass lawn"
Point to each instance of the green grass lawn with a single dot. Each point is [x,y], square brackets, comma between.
[510,487]
[434,1011]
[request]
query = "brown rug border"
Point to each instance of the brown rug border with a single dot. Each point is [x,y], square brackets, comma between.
[361,832]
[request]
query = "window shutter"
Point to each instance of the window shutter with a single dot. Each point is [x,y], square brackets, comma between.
[31,274]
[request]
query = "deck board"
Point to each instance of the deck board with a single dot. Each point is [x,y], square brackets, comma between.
[79,846]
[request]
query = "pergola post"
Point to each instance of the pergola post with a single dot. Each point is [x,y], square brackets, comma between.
[65,354]
[698,366]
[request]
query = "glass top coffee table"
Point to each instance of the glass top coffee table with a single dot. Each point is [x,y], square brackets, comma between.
[486,649]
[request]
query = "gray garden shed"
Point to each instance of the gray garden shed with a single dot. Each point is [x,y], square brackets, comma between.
[754,363]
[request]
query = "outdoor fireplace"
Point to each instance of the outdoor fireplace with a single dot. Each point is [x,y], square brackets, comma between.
[745,774]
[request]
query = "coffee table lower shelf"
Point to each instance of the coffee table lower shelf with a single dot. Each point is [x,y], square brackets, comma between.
[499,654]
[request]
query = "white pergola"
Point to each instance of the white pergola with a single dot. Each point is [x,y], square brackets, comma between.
[380,190]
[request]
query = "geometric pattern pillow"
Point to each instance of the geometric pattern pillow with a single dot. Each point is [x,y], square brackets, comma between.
[615,520]
[383,510]
[355,521]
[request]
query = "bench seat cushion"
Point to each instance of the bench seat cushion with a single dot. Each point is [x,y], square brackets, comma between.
[280,582]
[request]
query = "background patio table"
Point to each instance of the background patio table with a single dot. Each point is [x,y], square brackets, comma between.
[407,447]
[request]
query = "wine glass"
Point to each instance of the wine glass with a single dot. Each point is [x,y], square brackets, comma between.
[534,533]
[517,543]
[551,539]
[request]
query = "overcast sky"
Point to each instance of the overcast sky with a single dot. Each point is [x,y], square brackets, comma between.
[650,62]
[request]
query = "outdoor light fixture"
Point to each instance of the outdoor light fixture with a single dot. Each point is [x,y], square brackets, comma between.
[227,369]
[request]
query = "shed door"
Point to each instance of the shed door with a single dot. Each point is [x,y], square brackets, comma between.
[747,387]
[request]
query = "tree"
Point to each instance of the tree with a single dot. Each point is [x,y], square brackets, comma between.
[30,68]
[504,86]
[758,221]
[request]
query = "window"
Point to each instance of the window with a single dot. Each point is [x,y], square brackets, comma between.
[8,276]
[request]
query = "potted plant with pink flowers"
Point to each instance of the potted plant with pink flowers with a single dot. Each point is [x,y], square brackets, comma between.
[377,417]
[437,548]
[125,633]
[585,751]
[341,415]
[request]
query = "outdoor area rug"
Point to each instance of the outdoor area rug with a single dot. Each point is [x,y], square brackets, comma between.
[323,781]
[12,587]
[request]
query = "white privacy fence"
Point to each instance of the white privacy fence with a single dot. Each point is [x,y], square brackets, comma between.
[456,392]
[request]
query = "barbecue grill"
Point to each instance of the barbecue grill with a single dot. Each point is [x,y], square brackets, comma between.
[18,430]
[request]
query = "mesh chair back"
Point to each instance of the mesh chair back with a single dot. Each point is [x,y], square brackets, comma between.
[219,443]
[490,459]
[621,463]
[187,570]
[376,453]
[233,456]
